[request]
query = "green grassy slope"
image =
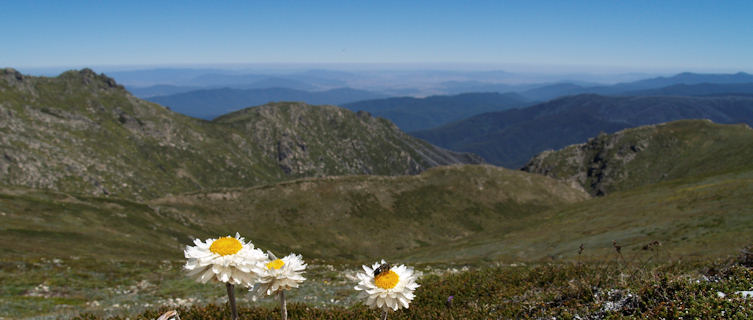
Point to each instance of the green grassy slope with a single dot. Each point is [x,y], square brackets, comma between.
[50,224]
[338,218]
[355,218]
[699,218]
[449,214]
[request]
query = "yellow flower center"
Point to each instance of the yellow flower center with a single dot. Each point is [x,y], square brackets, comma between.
[387,280]
[277,264]
[225,246]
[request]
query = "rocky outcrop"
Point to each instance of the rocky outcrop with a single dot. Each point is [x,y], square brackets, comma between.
[648,154]
[310,140]
[595,165]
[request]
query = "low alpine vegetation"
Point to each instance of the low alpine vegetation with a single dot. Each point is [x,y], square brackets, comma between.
[621,288]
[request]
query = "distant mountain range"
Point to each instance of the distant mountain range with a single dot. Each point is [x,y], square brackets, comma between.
[208,93]
[459,87]
[509,138]
[160,90]
[715,83]
[263,83]
[411,114]
[211,103]
[82,132]
[686,78]
[210,77]
[702,89]
[391,80]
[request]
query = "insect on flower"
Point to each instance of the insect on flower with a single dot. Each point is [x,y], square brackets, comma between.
[385,267]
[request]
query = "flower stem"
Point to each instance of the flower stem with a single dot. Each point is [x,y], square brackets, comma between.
[231,298]
[283,305]
[384,315]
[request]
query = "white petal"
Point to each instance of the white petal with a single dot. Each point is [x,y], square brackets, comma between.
[207,275]
[403,301]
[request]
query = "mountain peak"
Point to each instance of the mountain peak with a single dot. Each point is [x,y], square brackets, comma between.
[711,77]
[89,77]
[10,74]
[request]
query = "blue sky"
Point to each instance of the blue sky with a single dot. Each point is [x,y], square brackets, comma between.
[642,36]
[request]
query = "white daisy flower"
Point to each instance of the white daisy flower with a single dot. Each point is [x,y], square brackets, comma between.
[280,274]
[228,259]
[385,287]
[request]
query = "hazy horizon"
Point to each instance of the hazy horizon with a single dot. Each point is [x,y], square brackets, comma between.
[514,75]
[283,67]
